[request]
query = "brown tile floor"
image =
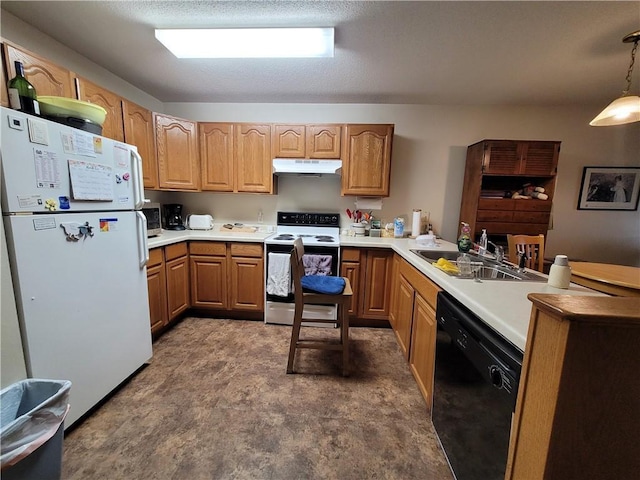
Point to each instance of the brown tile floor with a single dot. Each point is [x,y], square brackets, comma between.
[216,403]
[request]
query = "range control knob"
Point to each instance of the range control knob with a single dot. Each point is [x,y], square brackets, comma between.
[496,376]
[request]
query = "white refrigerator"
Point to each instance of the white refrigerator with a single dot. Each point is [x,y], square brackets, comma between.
[77,245]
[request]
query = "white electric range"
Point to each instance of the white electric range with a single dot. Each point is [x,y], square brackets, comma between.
[320,234]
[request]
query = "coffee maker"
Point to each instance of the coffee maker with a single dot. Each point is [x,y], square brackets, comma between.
[173,216]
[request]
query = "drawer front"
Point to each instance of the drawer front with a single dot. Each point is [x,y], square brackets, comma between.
[494,216]
[246,250]
[533,205]
[516,228]
[496,204]
[208,248]
[156,257]
[176,250]
[421,284]
[531,217]
[350,255]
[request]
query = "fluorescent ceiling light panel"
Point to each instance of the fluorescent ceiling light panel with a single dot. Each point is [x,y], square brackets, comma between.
[248,42]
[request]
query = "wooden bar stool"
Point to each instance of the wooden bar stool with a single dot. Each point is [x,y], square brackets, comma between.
[342,300]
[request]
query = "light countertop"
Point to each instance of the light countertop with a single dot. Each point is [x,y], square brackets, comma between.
[217,234]
[620,280]
[503,305]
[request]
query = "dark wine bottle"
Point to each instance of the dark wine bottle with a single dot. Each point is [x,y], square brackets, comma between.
[22,95]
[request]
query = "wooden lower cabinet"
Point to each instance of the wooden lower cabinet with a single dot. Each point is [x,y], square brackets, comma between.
[177,266]
[414,323]
[423,346]
[209,275]
[369,272]
[168,284]
[157,286]
[227,276]
[350,268]
[405,294]
[247,277]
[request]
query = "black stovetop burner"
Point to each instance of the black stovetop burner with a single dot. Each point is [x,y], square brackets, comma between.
[319,238]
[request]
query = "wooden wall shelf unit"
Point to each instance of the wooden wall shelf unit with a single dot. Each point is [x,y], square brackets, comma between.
[495,167]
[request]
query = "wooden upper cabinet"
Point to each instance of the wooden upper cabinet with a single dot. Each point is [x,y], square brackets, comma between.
[289,141]
[323,141]
[46,77]
[306,141]
[507,157]
[138,131]
[252,144]
[366,168]
[113,126]
[216,156]
[177,153]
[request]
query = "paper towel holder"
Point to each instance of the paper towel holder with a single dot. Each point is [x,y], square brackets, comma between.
[368,203]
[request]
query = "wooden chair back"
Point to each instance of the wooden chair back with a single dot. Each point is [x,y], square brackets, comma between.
[531,245]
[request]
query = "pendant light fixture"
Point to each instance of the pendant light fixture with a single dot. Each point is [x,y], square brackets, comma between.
[625,109]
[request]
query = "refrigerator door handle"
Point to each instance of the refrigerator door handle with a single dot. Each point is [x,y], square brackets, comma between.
[143,245]
[138,185]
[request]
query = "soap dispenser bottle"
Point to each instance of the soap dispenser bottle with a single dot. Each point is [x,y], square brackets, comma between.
[463,261]
[482,249]
[464,240]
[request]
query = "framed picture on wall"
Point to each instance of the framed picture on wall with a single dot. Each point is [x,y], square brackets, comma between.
[609,188]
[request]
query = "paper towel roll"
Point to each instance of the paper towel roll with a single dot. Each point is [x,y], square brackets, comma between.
[416,220]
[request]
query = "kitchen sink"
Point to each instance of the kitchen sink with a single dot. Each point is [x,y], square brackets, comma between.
[483,268]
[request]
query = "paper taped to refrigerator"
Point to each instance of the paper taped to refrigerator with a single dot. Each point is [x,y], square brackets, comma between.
[47,168]
[91,181]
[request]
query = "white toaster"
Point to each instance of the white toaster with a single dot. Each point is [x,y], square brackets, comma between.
[199,222]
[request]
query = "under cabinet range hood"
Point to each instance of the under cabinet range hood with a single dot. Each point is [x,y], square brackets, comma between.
[299,166]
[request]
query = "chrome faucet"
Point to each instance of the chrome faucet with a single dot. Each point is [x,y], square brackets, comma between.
[498,251]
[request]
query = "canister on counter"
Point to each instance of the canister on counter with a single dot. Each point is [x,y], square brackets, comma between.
[398,227]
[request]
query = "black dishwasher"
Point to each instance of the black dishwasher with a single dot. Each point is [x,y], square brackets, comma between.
[475,388]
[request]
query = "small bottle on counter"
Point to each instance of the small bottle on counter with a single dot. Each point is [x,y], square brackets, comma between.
[560,272]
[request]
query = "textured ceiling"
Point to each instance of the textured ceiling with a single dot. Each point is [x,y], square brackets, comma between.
[452,52]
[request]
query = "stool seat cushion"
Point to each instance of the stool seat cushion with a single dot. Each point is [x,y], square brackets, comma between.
[323,284]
